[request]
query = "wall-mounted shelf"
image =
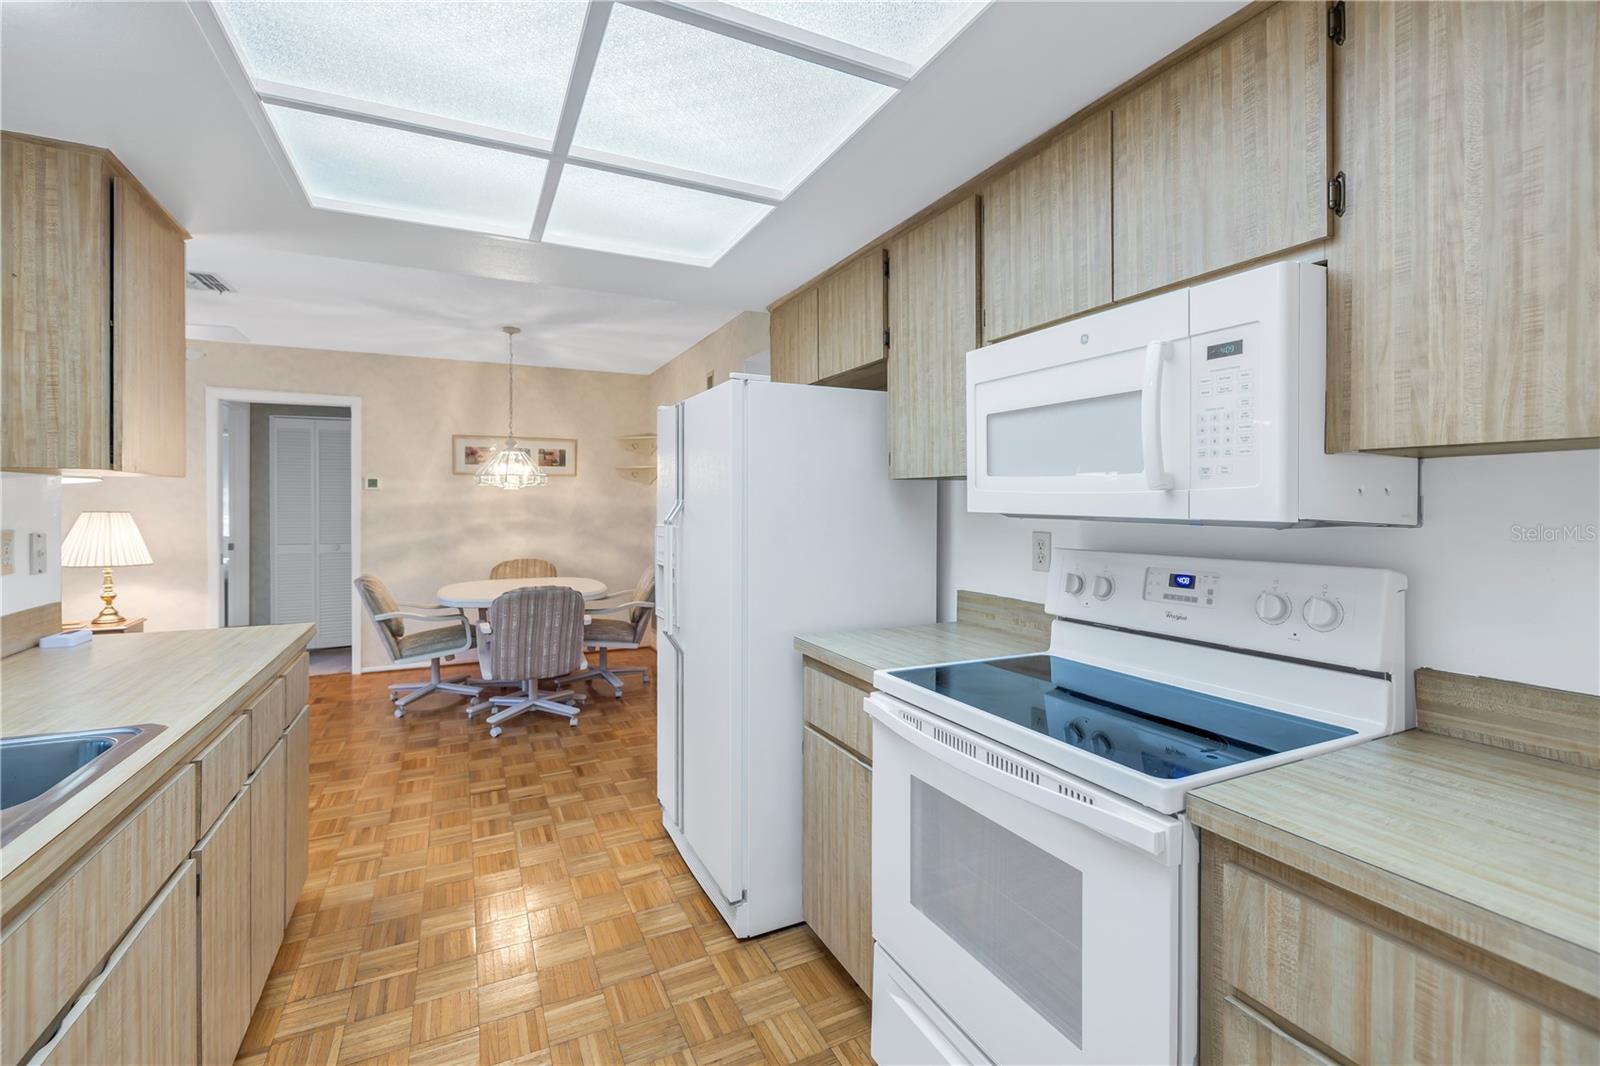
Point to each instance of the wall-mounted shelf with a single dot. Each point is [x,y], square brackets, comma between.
[641,444]
[645,475]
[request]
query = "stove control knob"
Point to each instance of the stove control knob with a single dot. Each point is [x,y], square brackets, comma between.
[1322,614]
[1104,587]
[1075,733]
[1273,607]
[1100,743]
[1074,584]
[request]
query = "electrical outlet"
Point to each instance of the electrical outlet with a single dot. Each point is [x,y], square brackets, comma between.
[1041,550]
[8,561]
[371,483]
[37,561]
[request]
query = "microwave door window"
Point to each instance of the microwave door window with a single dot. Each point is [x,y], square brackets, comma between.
[1094,436]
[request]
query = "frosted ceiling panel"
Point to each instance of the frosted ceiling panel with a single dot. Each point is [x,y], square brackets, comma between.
[630,216]
[909,31]
[673,94]
[495,64]
[398,174]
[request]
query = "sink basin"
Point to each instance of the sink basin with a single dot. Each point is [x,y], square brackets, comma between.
[38,773]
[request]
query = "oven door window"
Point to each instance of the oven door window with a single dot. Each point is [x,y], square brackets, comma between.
[1012,906]
[1094,435]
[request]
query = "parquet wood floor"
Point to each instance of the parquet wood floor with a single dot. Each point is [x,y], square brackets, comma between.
[477,900]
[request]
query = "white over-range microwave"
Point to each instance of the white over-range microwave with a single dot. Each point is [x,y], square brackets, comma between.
[1203,405]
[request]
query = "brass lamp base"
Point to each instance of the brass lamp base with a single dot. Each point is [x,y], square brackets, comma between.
[109,615]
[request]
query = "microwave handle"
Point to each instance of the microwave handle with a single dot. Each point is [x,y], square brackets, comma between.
[1155,471]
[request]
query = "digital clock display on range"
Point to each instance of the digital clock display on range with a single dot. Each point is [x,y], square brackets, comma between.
[1225,349]
[1181,581]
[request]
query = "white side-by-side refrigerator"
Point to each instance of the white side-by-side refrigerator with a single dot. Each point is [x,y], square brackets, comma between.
[775,516]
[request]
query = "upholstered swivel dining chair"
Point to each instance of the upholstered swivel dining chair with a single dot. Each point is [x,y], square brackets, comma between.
[604,635]
[537,634]
[523,568]
[415,648]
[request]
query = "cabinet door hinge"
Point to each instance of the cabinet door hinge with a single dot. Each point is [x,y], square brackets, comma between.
[1336,194]
[885,264]
[886,338]
[1336,22]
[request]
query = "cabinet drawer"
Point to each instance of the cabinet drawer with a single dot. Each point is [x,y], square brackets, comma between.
[1249,1039]
[268,718]
[836,889]
[142,1007]
[297,686]
[55,947]
[222,767]
[834,708]
[1373,998]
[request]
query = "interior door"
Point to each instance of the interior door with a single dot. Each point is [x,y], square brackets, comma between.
[709,628]
[310,525]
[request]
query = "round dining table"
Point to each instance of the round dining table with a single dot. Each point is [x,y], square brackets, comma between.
[480,594]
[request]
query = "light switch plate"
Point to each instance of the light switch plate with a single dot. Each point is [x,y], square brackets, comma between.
[8,561]
[37,563]
[371,483]
[1041,550]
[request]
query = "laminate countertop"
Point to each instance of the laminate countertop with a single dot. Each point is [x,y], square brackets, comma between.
[858,652]
[188,681]
[1493,847]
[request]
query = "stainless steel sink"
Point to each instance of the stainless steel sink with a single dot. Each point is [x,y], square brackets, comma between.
[38,773]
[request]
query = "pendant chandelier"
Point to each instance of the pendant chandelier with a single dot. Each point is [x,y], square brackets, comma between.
[512,467]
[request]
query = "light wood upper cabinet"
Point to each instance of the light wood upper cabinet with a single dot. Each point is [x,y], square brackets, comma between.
[850,316]
[1047,233]
[792,332]
[933,324]
[1464,276]
[93,356]
[1223,157]
[222,862]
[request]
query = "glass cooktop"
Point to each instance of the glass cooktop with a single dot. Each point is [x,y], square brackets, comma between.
[1157,729]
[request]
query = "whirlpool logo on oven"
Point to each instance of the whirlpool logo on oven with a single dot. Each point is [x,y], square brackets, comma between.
[1177,616]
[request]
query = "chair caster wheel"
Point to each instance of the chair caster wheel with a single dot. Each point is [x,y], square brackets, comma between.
[399,712]
[494,731]
[616,693]
[573,722]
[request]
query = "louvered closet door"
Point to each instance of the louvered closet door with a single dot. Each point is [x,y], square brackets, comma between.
[310,524]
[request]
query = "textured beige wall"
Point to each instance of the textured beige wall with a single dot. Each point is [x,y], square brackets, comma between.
[718,354]
[426,526]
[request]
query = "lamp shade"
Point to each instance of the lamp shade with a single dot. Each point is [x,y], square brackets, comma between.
[104,538]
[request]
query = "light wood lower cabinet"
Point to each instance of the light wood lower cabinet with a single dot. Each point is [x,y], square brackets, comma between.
[222,864]
[268,790]
[1294,971]
[223,767]
[837,887]
[141,1007]
[297,814]
[269,715]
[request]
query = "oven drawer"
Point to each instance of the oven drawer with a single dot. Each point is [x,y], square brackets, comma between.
[1371,997]
[908,1028]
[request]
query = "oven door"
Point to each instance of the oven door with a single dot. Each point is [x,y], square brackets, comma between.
[1043,916]
[1089,418]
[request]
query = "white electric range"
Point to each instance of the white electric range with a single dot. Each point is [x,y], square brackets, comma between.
[1034,879]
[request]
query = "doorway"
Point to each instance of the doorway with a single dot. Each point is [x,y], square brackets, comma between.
[285,521]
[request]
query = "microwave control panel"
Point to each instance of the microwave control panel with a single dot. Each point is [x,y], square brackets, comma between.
[1225,381]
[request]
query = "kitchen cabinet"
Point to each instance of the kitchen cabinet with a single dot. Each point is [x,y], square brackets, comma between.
[836,895]
[93,356]
[1328,978]
[933,324]
[851,317]
[141,1007]
[1222,158]
[1464,274]
[268,789]
[222,864]
[792,332]
[297,817]
[1047,232]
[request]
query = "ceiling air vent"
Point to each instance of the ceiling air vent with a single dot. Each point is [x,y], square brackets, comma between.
[200,280]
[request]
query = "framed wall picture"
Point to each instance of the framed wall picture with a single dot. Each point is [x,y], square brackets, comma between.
[556,456]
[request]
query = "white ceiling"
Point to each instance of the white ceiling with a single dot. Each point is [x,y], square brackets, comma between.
[142,80]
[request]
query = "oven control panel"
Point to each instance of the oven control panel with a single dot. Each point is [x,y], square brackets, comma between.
[1342,615]
[1224,444]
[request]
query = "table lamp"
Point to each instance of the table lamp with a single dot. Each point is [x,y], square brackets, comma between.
[105,539]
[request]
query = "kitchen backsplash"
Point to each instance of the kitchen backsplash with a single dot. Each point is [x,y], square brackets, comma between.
[1504,572]
[30,503]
